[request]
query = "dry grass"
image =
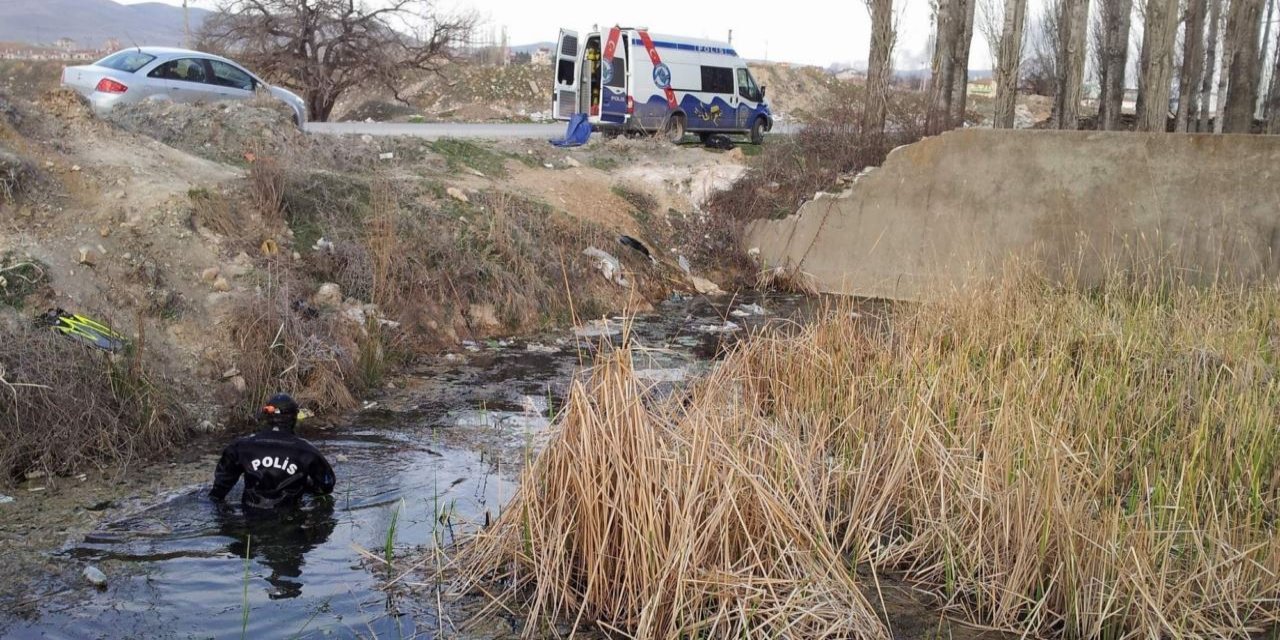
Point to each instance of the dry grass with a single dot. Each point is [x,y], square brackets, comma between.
[1086,464]
[663,526]
[268,177]
[66,407]
[283,346]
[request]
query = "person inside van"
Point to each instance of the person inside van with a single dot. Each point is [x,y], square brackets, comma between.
[593,65]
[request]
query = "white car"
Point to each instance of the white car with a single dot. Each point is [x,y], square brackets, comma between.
[176,75]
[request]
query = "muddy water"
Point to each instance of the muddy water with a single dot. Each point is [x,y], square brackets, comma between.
[432,456]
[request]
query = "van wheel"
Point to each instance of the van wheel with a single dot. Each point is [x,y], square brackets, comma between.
[757,131]
[674,130]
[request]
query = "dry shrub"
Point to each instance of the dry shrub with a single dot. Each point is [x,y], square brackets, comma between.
[1098,463]
[267,180]
[284,345]
[15,175]
[793,168]
[213,211]
[66,407]
[789,279]
[662,525]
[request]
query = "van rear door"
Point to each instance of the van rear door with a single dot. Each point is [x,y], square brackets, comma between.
[564,102]
[613,98]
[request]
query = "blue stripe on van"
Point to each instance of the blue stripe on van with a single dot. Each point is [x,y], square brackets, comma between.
[680,46]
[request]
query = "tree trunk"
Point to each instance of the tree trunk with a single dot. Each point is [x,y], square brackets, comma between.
[960,44]
[1159,31]
[1192,65]
[1075,22]
[1273,96]
[938,117]
[879,67]
[1210,66]
[1008,62]
[1242,87]
[1224,71]
[1115,59]
[1262,52]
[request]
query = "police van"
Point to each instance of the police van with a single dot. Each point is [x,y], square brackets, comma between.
[627,79]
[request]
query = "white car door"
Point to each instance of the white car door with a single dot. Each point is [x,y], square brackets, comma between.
[184,78]
[229,82]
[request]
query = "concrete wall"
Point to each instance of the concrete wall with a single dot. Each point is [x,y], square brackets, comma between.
[954,207]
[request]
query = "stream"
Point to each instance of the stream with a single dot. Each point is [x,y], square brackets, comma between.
[415,467]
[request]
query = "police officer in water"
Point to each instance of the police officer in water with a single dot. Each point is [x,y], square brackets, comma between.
[278,466]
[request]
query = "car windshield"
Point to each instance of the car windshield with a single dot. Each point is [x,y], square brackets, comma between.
[126,61]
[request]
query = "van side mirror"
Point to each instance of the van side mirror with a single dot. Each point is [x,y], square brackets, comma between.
[763,89]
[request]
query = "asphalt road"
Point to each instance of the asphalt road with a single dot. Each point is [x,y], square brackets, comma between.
[433,130]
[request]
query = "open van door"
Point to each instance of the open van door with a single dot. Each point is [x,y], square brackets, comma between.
[565,101]
[613,81]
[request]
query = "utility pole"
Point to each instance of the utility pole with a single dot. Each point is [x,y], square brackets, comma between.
[186,24]
[731,36]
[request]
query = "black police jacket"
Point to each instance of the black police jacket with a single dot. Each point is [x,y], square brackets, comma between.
[278,467]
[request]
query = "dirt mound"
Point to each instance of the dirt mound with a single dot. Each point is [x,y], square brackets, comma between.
[222,131]
[66,105]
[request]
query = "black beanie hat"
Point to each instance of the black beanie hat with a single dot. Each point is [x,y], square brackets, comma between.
[281,411]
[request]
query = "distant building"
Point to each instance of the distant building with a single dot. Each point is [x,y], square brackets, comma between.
[541,56]
[66,44]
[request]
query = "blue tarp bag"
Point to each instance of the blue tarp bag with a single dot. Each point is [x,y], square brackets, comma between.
[578,133]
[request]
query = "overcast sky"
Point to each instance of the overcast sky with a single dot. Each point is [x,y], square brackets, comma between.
[819,32]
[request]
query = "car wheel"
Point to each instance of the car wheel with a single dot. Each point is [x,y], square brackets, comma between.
[757,131]
[674,130]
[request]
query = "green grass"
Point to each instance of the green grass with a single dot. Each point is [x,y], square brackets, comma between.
[244,601]
[21,277]
[389,545]
[603,163]
[463,153]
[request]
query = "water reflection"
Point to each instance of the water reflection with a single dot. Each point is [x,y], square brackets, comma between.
[278,540]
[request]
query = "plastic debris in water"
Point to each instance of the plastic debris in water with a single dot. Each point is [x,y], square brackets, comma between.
[727,327]
[95,576]
[748,310]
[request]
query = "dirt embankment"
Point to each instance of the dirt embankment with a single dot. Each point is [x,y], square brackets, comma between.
[470,92]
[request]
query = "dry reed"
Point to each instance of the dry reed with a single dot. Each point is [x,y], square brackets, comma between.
[1092,463]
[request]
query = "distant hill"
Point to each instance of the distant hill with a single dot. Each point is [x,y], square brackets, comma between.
[91,22]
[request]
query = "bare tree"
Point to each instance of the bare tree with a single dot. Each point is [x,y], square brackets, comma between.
[1041,74]
[962,40]
[938,118]
[325,48]
[1114,60]
[1192,65]
[1004,34]
[1073,23]
[1273,94]
[1241,65]
[879,66]
[1210,66]
[1159,30]
[1266,43]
